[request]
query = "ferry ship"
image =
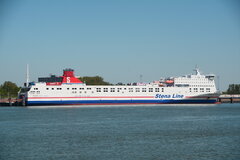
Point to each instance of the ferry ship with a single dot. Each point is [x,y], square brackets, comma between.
[69,90]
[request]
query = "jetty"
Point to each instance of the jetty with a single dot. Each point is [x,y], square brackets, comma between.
[10,102]
[229,98]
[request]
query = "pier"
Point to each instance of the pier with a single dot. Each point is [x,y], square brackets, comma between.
[10,102]
[229,98]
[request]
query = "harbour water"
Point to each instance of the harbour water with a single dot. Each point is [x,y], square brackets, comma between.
[120,133]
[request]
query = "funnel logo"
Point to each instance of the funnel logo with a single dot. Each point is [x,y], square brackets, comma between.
[68,80]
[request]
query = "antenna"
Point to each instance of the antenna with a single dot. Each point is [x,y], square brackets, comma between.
[27,75]
[197,70]
[218,83]
[141,76]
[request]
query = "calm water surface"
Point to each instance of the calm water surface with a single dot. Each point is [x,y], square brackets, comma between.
[134,133]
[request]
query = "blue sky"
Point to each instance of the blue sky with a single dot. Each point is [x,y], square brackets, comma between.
[120,40]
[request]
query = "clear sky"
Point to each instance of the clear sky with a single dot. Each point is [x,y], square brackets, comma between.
[120,39]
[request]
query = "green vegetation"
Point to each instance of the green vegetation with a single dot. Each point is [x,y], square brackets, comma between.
[233,89]
[9,90]
[97,80]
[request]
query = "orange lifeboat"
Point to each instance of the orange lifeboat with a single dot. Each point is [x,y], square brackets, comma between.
[161,84]
[169,81]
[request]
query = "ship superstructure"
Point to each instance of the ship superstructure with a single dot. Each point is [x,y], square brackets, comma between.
[69,90]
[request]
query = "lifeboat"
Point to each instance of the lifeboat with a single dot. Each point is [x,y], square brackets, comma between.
[169,81]
[161,84]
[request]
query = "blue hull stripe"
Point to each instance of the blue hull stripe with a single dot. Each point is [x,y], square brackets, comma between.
[99,102]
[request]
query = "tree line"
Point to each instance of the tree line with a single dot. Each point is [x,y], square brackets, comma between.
[9,90]
[233,89]
[96,80]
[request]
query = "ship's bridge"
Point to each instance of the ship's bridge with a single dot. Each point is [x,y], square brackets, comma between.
[195,80]
[210,76]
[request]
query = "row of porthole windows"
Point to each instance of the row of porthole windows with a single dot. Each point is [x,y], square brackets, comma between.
[35,92]
[67,88]
[200,89]
[80,92]
[113,89]
[129,89]
[201,85]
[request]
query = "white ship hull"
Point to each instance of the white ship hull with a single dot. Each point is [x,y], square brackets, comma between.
[107,101]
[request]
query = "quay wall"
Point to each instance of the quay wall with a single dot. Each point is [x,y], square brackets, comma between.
[10,102]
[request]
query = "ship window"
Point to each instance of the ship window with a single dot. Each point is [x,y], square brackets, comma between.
[35,88]
[67,88]
[98,89]
[130,89]
[144,90]
[52,88]
[105,89]
[47,88]
[201,89]
[112,90]
[207,89]
[150,89]
[195,89]
[137,89]
[162,89]
[156,89]
[190,89]
[89,88]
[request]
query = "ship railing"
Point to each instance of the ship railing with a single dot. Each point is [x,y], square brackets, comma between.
[181,85]
[230,95]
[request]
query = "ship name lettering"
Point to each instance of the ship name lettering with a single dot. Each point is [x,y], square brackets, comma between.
[177,96]
[163,96]
[169,96]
